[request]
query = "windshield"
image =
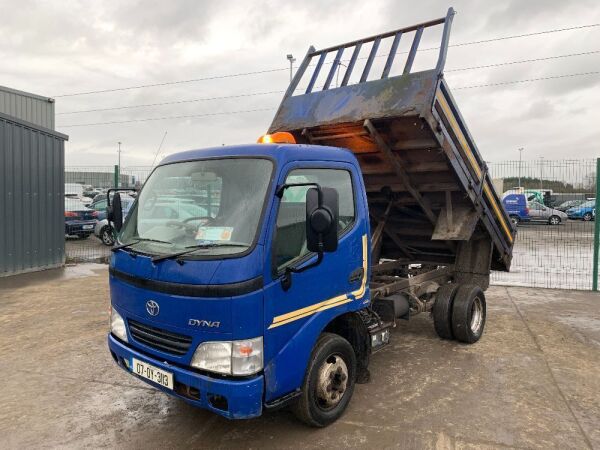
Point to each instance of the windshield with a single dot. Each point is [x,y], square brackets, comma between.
[209,207]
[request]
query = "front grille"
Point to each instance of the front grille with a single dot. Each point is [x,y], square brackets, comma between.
[165,341]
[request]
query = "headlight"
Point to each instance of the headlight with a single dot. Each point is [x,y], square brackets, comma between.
[230,357]
[117,325]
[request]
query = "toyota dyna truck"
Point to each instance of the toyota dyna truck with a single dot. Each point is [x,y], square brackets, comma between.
[252,277]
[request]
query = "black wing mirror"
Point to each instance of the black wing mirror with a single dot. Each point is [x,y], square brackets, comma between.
[114,212]
[322,214]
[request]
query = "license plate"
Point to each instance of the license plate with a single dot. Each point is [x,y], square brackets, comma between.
[152,373]
[87,227]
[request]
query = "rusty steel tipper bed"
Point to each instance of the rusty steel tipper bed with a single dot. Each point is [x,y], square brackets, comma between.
[430,198]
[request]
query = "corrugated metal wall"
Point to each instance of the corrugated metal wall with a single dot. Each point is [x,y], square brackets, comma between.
[32,226]
[29,107]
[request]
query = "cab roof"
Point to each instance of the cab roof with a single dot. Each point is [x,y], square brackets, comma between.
[281,153]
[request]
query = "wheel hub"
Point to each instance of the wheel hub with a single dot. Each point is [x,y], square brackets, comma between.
[332,381]
[476,315]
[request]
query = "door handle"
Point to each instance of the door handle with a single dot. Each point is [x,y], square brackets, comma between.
[356,275]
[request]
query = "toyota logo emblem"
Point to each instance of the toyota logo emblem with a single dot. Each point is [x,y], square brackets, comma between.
[152,308]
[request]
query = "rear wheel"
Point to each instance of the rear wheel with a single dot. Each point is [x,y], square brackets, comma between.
[468,313]
[328,383]
[442,311]
[587,216]
[554,220]
[106,236]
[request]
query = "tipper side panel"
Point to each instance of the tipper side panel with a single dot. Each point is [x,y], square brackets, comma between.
[426,183]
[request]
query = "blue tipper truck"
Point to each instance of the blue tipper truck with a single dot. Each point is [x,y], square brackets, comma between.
[253,277]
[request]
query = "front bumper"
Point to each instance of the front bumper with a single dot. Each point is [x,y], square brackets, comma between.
[230,398]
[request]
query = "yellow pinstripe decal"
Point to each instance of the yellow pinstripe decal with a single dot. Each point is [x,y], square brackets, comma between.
[360,292]
[467,149]
[296,315]
[330,303]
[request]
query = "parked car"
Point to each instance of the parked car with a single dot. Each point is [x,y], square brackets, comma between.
[564,206]
[75,191]
[99,204]
[103,230]
[541,213]
[517,207]
[586,211]
[173,209]
[79,220]
[100,207]
[520,210]
[91,193]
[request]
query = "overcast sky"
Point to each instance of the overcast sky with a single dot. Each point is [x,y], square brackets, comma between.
[62,47]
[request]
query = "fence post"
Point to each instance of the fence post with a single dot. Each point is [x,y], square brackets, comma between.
[596,230]
[117,175]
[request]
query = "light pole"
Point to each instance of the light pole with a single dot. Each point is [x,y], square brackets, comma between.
[292,60]
[541,171]
[520,153]
[119,166]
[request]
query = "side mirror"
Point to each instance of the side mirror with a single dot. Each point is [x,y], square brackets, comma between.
[114,212]
[322,216]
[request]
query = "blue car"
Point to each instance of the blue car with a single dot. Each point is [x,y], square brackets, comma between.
[585,211]
[79,220]
[517,208]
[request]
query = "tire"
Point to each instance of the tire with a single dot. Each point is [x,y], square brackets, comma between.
[442,311]
[468,313]
[515,219]
[332,359]
[106,236]
[554,220]
[587,216]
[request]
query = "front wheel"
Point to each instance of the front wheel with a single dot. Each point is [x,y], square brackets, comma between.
[106,236]
[554,220]
[587,216]
[328,383]
[515,219]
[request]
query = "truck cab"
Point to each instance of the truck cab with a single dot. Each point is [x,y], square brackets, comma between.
[210,300]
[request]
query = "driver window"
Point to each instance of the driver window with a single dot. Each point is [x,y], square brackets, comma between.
[290,234]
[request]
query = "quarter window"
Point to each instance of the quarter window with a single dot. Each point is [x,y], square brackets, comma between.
[290,234]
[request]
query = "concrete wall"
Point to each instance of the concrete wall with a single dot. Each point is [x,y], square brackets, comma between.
[32,230]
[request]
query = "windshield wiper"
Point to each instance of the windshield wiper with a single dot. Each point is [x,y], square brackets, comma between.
[137,241]
[193,248]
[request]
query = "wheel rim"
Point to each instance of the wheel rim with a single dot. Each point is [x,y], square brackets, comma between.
[476,315]
[106,237]
[332,382]
[587,217]
[554,220]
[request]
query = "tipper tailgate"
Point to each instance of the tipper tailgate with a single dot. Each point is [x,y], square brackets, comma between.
[426,182]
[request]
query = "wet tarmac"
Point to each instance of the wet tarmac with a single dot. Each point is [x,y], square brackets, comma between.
[532,381]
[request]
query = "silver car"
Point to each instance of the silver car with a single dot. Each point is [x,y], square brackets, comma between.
[104,231]
[541,213]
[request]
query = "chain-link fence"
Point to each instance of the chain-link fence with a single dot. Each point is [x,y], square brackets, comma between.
[87,233]
[555,227]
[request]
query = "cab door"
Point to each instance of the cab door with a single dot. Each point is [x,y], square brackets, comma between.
[294,317]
